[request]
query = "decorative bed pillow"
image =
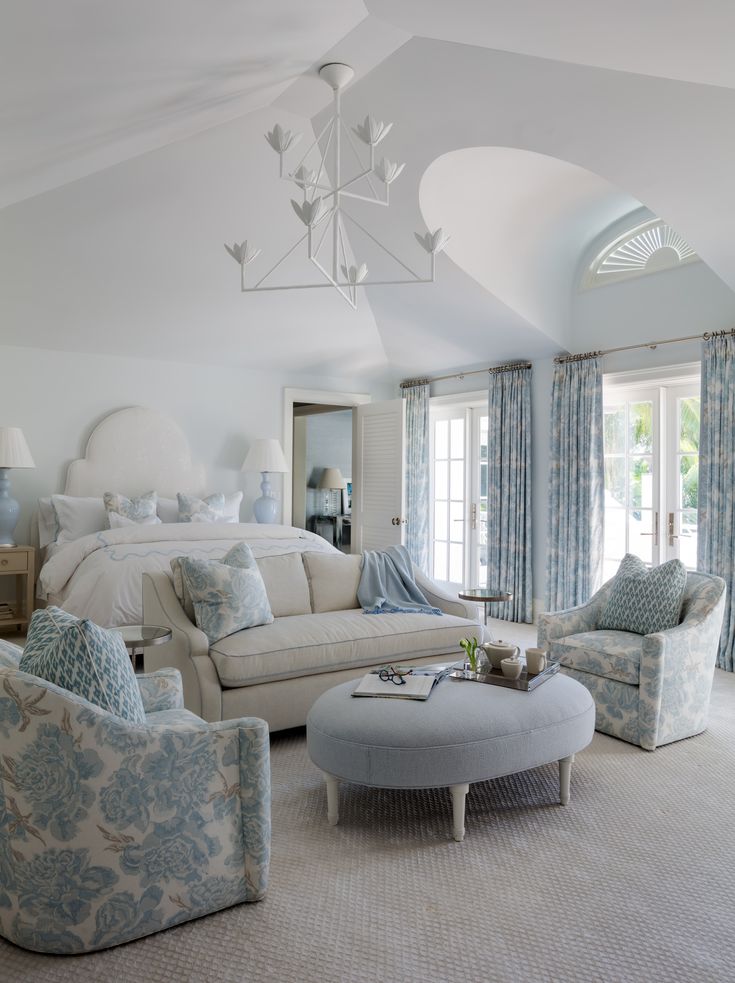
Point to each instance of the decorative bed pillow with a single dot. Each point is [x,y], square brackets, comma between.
[78,517]
[135,509]
[168,508]
[85,659]
[118,521]
[227,594]
[209,509]
[642,600]
[48,524]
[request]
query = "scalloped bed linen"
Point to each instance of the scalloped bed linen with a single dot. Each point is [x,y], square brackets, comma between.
[100,576]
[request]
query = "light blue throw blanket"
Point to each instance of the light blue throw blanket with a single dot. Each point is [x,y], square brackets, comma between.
[387,585]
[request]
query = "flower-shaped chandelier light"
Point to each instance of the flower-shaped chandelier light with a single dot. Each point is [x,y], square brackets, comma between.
[321,208]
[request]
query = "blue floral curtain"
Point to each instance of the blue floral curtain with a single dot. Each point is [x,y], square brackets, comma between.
[716,525]
[509,558]
[576,484]
[417,472]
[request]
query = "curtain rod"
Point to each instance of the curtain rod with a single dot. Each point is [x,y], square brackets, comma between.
[491,370]
[652,345]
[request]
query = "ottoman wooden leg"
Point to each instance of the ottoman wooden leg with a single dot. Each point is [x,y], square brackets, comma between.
[332,798]
[459,793]
[565,774]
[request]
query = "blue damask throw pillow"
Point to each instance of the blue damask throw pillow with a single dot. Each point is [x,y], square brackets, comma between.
[87,660]
[642,600]
[227,594]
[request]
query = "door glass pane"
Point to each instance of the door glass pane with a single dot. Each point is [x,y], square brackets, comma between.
[457,438]
[640,540]
[456,522]
[641,482]
[441,479]
[689,423]
[615,481]
[615,429]
[688,480]
[440,560]
[456,563]
[641,427]
[688,538]
[441,439]
[440,520]
[481,516]
[457,480]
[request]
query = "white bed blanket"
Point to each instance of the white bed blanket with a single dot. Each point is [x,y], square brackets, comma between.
[100,576]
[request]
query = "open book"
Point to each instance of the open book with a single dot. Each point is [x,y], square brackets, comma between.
[418,685]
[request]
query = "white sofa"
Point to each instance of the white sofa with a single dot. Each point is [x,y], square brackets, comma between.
[319,638]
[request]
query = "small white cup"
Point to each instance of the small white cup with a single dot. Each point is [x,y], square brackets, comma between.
[535,661]
[511,668]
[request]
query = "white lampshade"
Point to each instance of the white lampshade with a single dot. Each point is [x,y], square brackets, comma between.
[266,455]
[332,478]
[14,451]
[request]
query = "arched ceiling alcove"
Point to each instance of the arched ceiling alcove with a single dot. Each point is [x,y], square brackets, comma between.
[520,222]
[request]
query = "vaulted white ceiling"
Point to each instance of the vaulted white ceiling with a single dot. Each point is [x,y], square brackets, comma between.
[132,149]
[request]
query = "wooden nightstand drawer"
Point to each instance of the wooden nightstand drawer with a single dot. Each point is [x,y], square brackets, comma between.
[12,562]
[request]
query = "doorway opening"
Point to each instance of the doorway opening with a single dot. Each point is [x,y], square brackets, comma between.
[318,442]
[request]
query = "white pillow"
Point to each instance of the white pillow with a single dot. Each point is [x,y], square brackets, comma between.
[48,524]
[118,521]
[168,509]
[78,516]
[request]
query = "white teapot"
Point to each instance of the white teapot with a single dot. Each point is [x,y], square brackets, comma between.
[497,651]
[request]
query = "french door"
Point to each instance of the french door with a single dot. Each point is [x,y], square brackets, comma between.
[459,528]
[651,473]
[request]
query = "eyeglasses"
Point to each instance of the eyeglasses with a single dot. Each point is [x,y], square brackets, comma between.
[393,674]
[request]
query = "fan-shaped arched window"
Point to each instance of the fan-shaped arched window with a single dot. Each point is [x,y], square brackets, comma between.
[648,248]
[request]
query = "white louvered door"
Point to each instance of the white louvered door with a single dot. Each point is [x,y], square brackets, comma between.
[377,509]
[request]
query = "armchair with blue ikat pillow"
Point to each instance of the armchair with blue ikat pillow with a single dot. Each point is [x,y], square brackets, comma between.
[112,829]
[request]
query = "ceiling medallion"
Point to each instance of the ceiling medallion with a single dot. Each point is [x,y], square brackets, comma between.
[321,206]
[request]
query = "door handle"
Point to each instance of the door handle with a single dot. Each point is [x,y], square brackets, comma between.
[672,534]
[473,515]
[395,521]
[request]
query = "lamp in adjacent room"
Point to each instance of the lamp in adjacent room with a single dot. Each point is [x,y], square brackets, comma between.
[267,457]
[331,480]
[14,453]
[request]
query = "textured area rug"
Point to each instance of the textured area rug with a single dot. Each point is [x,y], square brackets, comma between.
[633,881]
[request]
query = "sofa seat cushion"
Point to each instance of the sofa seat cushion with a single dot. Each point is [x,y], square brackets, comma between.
[315,643]
[613,654]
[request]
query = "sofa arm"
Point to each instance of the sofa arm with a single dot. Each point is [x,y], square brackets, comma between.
[188,650]
[442,599]
[161,690]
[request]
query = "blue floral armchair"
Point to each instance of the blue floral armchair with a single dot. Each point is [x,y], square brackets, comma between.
[110,831]
[648,689]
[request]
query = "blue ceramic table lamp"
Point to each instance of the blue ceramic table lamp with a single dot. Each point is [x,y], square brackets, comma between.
[267,457]
[14,453]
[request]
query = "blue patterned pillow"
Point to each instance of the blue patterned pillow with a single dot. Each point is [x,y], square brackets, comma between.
[134,509]
[642,600]
[9,655]
[209,509]
[227,594]
[85,659]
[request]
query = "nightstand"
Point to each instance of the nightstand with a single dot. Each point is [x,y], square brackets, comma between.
[19,561]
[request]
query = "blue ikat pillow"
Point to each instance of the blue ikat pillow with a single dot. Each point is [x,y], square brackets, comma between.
[87,660]
[642,600]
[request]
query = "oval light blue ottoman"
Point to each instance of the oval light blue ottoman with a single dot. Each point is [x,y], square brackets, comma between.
[465,732]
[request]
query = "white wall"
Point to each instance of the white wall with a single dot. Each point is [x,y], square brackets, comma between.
[58,397]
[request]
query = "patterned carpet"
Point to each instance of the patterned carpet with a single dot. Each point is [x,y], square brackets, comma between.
[633,881]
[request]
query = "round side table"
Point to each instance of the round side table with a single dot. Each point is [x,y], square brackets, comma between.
[139,637]
[485,596]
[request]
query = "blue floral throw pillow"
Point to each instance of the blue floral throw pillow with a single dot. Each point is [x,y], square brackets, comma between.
[87,660]
[642,600]
[209,509]
[227,594]
[138,510]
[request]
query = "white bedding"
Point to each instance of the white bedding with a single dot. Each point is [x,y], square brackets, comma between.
[100,576]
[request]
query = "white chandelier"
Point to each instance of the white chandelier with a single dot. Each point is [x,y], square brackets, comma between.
[321,208]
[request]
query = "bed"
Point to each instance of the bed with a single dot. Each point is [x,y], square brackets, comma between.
[99,575]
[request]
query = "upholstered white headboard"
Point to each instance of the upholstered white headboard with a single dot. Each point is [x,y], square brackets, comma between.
[134,451]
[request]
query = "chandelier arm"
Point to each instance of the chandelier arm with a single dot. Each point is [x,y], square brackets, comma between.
[330,213]
[371,201]
[338,285]
[324,155]
[384,248]
[359,161]
[324,129]
[333,282]
[281,260]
